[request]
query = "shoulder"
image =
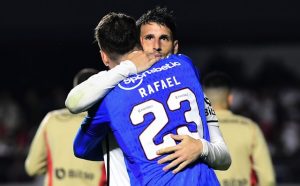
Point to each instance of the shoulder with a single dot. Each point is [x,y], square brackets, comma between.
[62,114]
[245,120]
[181,57]
[226,116]
[58,112]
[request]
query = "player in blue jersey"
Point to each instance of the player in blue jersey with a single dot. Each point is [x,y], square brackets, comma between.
[171,91]
[157,35]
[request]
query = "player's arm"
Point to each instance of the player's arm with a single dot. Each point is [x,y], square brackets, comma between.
[262,159]
[87,145]
[86,94]
[36,161]
[213,153]
[93,130]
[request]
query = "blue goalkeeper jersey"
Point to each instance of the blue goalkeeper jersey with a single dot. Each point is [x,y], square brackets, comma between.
[143,110]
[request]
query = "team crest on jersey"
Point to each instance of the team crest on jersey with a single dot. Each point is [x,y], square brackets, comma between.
[135,81]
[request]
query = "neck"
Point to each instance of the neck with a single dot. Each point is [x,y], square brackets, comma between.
[122,57]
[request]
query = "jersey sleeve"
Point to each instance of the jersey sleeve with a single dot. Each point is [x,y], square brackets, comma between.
[215,153]
[36,161]
[211,117]
[93,130]
[87,93]
[262,160]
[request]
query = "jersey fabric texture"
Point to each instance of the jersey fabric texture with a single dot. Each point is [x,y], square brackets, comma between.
[51,153]
[248,149]
[142,111]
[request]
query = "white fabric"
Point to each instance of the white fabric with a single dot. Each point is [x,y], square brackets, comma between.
[87,93]
[84,95]
[118,174]
[215,152]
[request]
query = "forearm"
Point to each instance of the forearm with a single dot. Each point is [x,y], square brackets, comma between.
[88,140]
[86,94]
[87,143]
[215,152]
[87,147]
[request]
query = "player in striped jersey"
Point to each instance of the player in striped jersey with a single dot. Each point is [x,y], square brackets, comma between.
[251,160]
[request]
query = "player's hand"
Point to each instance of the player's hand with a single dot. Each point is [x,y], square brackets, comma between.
[184,153]
[142,60]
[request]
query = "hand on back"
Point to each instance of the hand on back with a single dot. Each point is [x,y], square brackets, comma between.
[181,155]
[142,60]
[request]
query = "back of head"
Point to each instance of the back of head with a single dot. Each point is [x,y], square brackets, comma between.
[217,86]
[116,34]
[160,16]
[83,75]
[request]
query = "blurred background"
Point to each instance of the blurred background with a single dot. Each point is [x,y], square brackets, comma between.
[43,44]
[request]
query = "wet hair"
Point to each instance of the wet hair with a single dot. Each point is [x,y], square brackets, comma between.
[116,34]
[160,16]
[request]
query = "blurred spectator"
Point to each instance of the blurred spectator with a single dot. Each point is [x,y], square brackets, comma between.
[10,114]
[251,160]
[290,137]
[12,144]
[51,151]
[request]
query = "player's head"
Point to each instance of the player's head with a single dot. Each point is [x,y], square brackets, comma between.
[217,86]
[83,75]
[116,35]
[157,31]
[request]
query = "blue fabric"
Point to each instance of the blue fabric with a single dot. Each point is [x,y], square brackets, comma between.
[143,109]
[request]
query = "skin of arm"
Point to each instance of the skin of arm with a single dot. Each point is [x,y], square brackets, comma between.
[213,153]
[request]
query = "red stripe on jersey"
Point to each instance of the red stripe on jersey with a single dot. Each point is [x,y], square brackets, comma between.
[102,181]
[49,162]
[253,175]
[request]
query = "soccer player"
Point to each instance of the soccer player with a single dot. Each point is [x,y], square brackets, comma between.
[160,38]
[127,109]
[51,152]
[157,35]
[251,161]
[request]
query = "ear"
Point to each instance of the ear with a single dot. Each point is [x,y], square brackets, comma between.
[175,43]
[104,58]
[230,99]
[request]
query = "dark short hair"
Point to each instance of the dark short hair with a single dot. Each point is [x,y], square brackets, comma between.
[161,16]
[116,34]
[83,75]
[217,80]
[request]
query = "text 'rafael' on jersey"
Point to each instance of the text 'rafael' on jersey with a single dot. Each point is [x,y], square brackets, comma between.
[144,109]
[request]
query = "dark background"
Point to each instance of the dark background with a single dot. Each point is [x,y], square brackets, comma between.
[44,43]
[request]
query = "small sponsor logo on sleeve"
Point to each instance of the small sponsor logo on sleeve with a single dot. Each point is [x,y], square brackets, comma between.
[135,81]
